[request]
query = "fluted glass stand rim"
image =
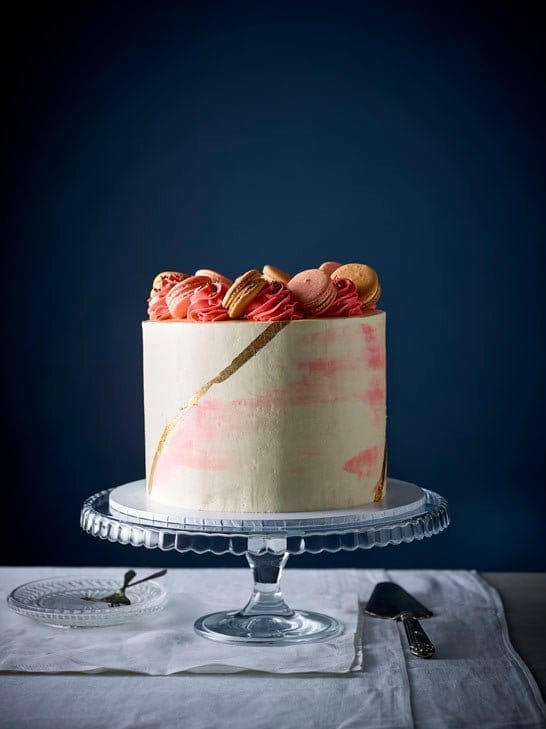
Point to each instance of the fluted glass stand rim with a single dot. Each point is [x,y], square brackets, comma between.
[266,619]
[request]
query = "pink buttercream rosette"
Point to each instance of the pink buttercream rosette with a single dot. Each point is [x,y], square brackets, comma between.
[274,303]
[346,302]
[158,309]
[206,303]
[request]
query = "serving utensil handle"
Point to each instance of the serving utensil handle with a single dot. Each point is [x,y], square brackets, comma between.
[150,577]
[419,642]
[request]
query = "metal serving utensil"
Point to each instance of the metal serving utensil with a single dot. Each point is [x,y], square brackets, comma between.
[389,600]
[118,598]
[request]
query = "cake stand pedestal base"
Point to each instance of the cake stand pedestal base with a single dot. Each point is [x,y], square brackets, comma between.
[266,619]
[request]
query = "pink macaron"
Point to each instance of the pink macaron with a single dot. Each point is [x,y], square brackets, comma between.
[329,267]
[178,298]
[314,290]
[214,276]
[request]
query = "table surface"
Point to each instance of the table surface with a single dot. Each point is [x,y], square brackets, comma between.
[524,598]
[140,700]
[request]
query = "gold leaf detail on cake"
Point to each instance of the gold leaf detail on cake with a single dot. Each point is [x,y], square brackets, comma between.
[241,359]
[380,485]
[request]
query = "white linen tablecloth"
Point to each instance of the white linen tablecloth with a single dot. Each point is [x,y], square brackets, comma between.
[165,643]
[476,679]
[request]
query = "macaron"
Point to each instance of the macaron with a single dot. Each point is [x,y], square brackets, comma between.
[272,273]
[172,276]
[364,278]
[178,298]
[214,276]
[329,267]
[314,290]
[242,292]
[371,303]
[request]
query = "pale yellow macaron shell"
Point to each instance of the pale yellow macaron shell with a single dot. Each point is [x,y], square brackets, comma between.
[272,273]
[365,279]
[242,292]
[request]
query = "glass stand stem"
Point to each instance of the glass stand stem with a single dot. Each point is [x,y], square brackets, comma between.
[266,619]
[266,598]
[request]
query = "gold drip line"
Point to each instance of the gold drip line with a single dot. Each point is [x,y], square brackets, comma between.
[241,359]
[381,483]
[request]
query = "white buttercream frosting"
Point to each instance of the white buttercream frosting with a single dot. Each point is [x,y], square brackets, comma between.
[300,426]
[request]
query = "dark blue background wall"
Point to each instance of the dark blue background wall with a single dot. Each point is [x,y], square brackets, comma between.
[144,137]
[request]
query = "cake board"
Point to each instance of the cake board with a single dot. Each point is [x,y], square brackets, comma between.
[124,515]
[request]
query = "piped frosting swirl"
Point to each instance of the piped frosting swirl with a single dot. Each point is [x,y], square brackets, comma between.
[206,303]
[274,303]
[158,309]
[346,302]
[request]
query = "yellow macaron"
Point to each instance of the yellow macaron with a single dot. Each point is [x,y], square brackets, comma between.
[364,278]
[272,273]
[242,292]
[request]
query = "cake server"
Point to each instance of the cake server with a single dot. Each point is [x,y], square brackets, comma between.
[389,600]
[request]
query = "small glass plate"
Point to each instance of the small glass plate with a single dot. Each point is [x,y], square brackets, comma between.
[60,601]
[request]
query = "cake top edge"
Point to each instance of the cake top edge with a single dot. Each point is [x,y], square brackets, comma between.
[333,290]
[248,322]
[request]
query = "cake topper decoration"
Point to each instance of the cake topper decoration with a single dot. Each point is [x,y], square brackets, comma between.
[332,290]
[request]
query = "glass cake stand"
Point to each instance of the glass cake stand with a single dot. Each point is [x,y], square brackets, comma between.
[124,515]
